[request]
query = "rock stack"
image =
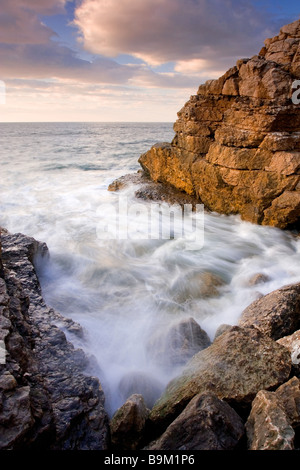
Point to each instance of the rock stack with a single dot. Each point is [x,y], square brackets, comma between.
[237,141]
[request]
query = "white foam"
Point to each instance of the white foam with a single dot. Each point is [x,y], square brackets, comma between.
[122,291]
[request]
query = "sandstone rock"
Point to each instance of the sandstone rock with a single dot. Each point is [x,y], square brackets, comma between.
[196,285]
[236,144]
[238,364]
[288,395]
[139,177]
[128,424]
[267,426]
[164,164]
[292,343]
[263,79]
[280,141]
[178,344]
[283,208]
[207,423]
[286,163]
[276,314]
[258,278]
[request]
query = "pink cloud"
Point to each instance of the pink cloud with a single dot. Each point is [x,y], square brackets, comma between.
[20,23]
[27,51]
[169,30]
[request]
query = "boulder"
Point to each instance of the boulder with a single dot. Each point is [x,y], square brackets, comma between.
[292,343]
[274,417]
[276,314]
[196,285]
[267,426]
[236,144]
[207,423]
[127,425]
[238,364]
[258,278]
[179,343]
[288,395]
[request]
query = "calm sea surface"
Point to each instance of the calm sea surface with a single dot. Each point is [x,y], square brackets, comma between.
[124,292]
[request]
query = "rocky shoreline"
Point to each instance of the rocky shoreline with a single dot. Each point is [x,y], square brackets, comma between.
[237,141]
[47,399]
[239,392]
[237,150]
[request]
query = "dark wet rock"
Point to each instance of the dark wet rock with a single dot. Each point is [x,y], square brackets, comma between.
[48,401]
[153,191]
[276,314]
[178,343]
[207,423]
[123,182]
[127,425]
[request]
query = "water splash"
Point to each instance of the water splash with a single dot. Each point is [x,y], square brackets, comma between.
[126,292]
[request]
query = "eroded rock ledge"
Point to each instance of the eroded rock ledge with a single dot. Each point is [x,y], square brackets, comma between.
[237,141]
[47,400]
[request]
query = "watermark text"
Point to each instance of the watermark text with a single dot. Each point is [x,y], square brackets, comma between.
[150,221]
[2,352]
[2,92]
[296,93]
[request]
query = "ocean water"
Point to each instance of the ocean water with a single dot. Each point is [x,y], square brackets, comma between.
[127,292]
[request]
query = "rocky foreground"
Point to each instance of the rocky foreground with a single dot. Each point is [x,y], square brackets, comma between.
[237,141]
[47,399]
[240,391]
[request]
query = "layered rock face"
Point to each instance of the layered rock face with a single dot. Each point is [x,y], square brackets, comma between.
[237,141]
[47,399]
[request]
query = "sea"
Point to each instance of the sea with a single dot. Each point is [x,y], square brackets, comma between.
[126,290]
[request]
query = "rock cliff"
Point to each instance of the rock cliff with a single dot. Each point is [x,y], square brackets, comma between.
[237,141]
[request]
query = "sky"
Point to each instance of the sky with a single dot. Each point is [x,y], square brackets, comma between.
[123,60]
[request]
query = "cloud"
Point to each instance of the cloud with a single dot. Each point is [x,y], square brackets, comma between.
[27,51]
[159,31]
[20,23]
[53,61]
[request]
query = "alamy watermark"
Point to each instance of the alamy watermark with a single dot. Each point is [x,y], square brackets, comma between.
[2,352]
[2,92]
[296,93]
[150,221]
